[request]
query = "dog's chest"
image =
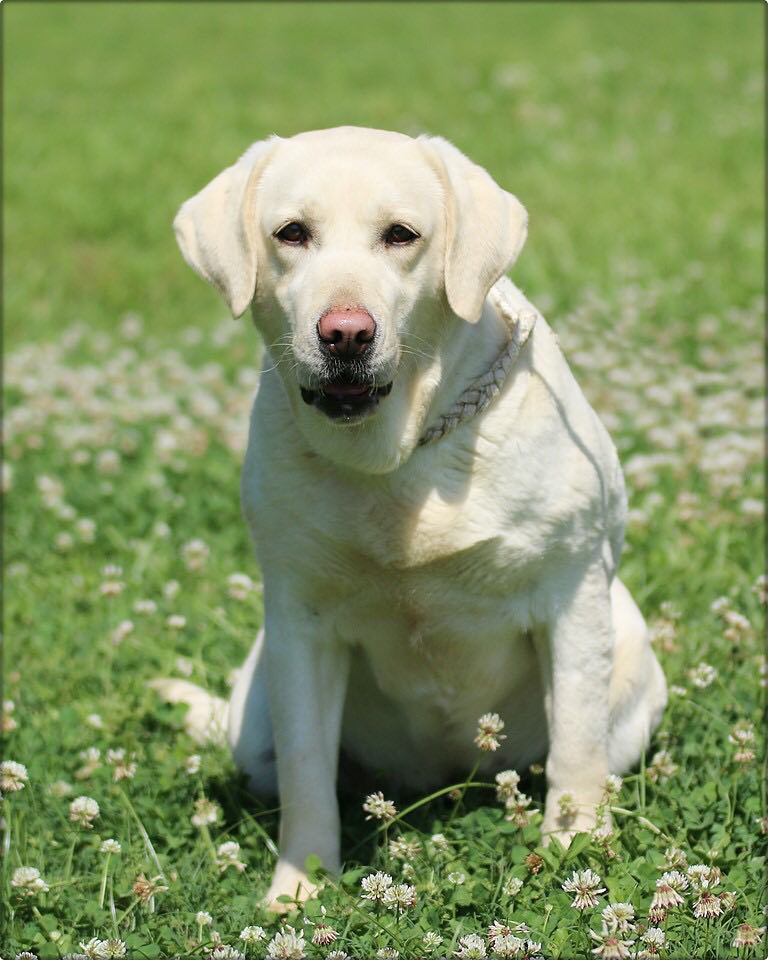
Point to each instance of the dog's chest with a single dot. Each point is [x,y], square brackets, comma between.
[433,583]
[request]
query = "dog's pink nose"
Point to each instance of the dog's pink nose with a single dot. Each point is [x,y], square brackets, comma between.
[346,332]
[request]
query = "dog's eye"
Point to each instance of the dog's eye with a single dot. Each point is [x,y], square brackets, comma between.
[293,233]
[397,235]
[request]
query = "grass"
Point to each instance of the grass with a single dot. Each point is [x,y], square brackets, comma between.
[633,134]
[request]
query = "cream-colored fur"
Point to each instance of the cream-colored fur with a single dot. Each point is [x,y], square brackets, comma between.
[409,589]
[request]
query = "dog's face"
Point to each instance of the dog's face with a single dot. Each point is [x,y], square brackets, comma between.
[357,249]
[352,240]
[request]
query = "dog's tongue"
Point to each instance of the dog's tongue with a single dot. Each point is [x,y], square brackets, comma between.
[345,390]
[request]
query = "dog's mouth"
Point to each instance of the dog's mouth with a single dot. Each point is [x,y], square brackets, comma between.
[345,400]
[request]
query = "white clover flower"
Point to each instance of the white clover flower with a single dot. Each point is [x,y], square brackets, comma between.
[49,487]
[517,810]
[323,935]
[702,675]
[618,917]
[506,784]
[206,811]
[610,945]
[121,631]
[111,588]
[195,554]
[375,885]
[131,326]
[675,859]
[508,945]
[668,894]
[203,918]
[728,900]
[654,936]
[760,587]
[28,882]
[337,955]
[171,589]
[176,621]
[13,776]
[83,811]
[378,808]
[60,788]
[91,761]
[185,666]
[108,462]
[86,529]
[109,949]
[748,936]
[399,897]
[8,723]
[457,878]
[402,849]
[146,889]
[162,531]
[192,764]
[503,938]
[489,735]
[94,720]
[742,736]
[222,952]
[703,876]
[287,945]
[252,934]
[110,846]
[91,948]
[123,768]
[707,905]
[227,855]
[387,953]
[585,885]
[431,940]
[661,767]
[471,947]
[239,586]
[64,541]
[512,887]
[147,607]
[440,843]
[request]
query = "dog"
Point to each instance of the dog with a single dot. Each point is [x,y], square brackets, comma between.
[437,510]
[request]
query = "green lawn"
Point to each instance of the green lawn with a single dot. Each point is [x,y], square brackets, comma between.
[634,136]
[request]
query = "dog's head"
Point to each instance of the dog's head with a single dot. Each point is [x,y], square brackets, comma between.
[356,249]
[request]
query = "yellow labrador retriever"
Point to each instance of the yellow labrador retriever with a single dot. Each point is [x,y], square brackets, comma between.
[437,510]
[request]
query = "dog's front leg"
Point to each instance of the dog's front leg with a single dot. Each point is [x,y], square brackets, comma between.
[576,655]
[307,672]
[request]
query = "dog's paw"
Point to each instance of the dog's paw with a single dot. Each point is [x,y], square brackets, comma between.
[206,719]
[288,881]
[567,814]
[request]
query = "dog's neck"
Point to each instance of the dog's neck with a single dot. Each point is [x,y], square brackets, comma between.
[482,390]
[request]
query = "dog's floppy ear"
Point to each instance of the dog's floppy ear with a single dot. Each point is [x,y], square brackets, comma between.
[485,228]
[215,229]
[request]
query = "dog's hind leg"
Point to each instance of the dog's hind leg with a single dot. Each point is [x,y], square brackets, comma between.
[638,692]
[249,727]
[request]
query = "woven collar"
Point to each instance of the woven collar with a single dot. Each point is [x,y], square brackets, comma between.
[483,389]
